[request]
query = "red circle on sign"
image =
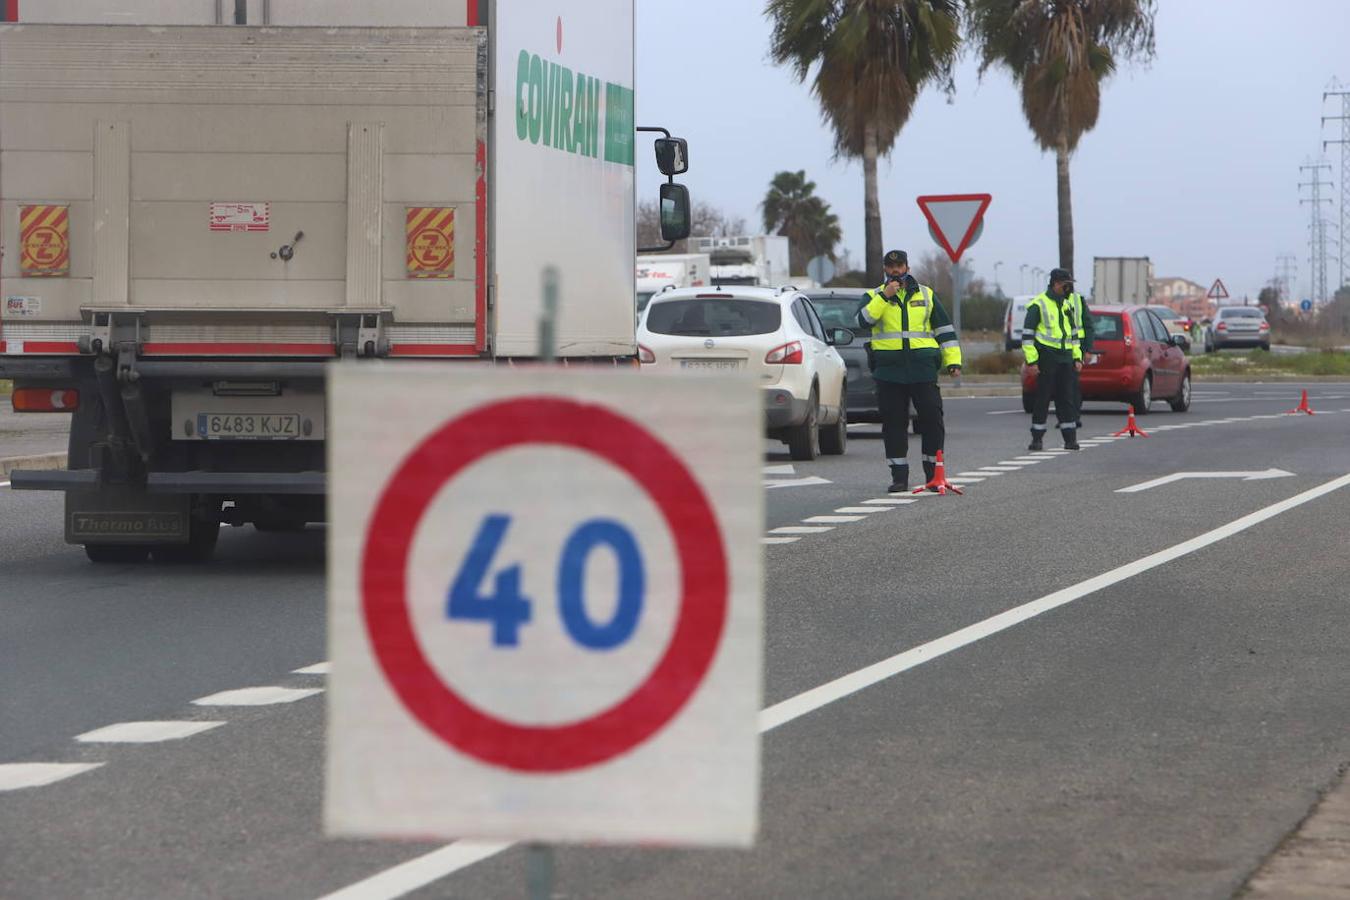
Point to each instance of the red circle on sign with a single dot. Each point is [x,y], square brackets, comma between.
[698,543]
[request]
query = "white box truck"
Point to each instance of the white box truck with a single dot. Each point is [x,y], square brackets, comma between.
[746,259]
[1121,280]
[204,201]
[668,271]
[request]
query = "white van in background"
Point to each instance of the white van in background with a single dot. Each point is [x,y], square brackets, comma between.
[1013,317]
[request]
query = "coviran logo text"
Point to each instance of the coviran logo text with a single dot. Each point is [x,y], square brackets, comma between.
[561,109]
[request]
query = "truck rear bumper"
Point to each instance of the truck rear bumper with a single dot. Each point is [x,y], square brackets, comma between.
[232,483]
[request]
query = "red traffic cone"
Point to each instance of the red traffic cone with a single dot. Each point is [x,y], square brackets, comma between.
[939,482]
[1131,427]
[1302,407]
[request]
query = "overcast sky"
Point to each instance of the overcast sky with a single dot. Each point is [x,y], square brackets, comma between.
[1194,161]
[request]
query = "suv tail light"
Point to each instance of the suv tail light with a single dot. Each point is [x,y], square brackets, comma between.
[645,354]
[45,400]
[1222,326]
[788,354]
[1265,326]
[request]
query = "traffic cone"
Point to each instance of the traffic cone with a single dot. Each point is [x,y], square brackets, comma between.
[1302,407]
[1131,427]
[939,482]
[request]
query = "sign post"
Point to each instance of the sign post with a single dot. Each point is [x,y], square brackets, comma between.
[545,605]
[955,222]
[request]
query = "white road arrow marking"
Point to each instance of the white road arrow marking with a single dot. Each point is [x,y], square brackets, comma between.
[796,482]
[1168,479]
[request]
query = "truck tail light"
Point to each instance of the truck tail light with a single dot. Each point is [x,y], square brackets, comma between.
[45,400]
[645,354]
[787,355]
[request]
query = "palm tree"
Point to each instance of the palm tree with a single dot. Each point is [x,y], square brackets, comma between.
[871,59]
[792,209]
[1059,52]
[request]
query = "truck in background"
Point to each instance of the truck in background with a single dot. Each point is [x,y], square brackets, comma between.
[185,255]
[750,260]
[669,271]
[1121,280]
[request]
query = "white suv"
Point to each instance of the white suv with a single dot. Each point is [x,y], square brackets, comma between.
[771,334]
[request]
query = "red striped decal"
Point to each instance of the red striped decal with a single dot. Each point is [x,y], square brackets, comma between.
[206,349]
[12,10]
[433,350]
[30,347]
[470,15]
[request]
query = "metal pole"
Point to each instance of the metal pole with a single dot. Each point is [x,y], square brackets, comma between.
[1022,278]
[958,275]
[548,322]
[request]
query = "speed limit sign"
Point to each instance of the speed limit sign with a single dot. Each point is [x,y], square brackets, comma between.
[545,605]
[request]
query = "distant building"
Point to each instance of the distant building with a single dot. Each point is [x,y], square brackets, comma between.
[1186,297]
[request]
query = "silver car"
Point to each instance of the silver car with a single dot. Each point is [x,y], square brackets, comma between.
[1237,326]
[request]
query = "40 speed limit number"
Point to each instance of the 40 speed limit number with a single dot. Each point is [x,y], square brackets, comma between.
[557,600]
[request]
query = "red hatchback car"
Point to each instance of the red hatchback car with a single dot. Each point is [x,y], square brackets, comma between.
[1134,360]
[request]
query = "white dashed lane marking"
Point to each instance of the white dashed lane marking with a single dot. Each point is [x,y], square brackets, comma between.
[779,540]
[256,696]
[322,668]
[15,776]
[890,501]
[145,732]
[860,510]
[832,520]
[802,529]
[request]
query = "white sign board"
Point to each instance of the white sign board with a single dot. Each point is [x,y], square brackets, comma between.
[545,612]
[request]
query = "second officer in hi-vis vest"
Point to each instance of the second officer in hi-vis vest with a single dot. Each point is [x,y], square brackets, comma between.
[1055,337]
[912,339]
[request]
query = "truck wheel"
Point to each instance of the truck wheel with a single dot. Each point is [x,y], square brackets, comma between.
[1028,402]
[834,438]
[200,547]
[116,553]
[804,440]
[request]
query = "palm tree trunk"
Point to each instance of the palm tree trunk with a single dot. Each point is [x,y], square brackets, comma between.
[1065,205]
[871,206]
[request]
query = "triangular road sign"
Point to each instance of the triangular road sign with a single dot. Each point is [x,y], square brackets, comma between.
[1217,291]
[954,219]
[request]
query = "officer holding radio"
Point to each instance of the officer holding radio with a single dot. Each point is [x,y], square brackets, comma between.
[912,340]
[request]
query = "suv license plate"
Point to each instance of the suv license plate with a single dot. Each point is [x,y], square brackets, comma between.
[248,426]
[711,365]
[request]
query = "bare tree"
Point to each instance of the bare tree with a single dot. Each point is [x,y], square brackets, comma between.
[706,220]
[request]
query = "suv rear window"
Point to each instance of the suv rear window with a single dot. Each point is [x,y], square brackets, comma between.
[1240,313]
[1106,326]
[714,318]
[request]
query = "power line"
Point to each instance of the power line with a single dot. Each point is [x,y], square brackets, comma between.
[1317,226]
[1338,89]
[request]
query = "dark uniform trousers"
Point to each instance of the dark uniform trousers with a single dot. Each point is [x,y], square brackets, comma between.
[1058,380]
[894,400]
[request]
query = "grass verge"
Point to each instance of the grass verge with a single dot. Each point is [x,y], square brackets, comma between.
[1259,362]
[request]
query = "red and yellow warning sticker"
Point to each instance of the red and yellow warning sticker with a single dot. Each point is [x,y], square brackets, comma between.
[431,242]
[44,241]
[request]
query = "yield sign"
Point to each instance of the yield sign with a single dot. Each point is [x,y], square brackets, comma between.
[1217,291]
[954,220]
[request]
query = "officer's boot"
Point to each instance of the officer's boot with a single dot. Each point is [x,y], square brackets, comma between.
[929,470]
[1037,440]
[899,479]
[1070,438]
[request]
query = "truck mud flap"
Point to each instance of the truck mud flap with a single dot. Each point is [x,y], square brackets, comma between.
[127,516]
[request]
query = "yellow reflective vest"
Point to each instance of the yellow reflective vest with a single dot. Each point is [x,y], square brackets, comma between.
[1055,331]
[906,322]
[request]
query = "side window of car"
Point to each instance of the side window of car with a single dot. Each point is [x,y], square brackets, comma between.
[1142,329]
[817,328]
[799,313]
[1158,328]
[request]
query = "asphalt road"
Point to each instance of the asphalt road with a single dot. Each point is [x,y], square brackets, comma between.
[1157,735]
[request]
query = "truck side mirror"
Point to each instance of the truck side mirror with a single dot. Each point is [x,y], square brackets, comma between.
[674,212]
[672,156]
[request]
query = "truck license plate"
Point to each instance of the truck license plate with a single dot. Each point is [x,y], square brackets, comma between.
[248,426]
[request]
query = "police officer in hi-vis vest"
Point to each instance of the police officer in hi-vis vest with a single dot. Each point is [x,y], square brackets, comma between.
[912,338]
[1055,337]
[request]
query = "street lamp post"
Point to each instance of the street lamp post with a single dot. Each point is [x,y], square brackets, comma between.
[1022,278]
[998,288]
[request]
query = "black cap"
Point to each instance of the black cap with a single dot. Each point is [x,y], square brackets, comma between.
[1061,275]
[895,258]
